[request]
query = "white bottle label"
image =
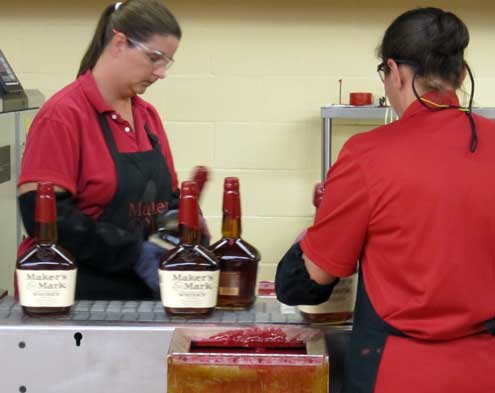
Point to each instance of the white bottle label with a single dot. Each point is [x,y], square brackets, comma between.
[46,288]
[189,289]
[342,299]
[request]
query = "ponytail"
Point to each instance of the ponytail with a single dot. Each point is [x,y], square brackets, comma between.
[98,43]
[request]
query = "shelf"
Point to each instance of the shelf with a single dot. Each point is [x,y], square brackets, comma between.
[376,112]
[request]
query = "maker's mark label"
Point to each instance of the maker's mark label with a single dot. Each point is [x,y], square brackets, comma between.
[46,288]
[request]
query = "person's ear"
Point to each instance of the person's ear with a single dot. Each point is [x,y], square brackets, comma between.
[118,42]
[395,74]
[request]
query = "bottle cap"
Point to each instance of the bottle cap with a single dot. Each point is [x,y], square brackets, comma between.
[231,184]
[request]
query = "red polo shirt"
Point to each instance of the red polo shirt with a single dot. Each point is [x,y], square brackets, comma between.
[66,145]
[416,207]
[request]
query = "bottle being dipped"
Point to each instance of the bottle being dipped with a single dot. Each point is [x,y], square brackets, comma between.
[189,273]
[238,259]
[168,231]
[340,307]
[46,273]
[200,177]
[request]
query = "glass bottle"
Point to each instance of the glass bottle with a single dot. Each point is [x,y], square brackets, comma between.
[340,307]
[46,273]
[189,273]
[168,230]
[238,259]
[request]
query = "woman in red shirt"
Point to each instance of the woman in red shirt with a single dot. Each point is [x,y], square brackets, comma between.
[411,201]
[106,151]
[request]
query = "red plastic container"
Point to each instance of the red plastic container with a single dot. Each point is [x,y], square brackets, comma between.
[360,99]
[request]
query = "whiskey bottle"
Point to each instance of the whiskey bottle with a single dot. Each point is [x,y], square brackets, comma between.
[238,259]
[340,307]
[168,228]
[189,273]
[46,273]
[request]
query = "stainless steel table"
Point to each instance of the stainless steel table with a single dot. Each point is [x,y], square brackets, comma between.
[330,112]
[121,347]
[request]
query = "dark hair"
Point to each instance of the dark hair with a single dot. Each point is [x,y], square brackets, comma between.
[137,19]
[433,40]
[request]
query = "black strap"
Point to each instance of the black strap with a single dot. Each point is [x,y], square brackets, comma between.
[108,135]
[153,139]
[490,326]
[111,141]
[368,339]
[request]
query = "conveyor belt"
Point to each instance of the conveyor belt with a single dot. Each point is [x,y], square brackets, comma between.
[265,310]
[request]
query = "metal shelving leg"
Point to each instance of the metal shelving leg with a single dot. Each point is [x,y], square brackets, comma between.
[326,144]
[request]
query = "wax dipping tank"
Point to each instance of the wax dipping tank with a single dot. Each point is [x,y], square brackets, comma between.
[268,359]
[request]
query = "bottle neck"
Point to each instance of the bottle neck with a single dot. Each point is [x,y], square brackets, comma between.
[189,235]
[45,231]
[189,219]
[231,225]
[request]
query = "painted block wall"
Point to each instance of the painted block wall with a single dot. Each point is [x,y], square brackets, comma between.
[244,95]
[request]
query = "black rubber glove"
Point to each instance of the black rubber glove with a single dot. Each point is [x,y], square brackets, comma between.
[102,245]
[294,286]
[146,266]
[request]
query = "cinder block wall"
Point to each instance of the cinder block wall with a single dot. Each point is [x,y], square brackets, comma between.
[244,95]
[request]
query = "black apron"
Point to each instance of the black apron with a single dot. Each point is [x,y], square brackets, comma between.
[143,183]
[368,338]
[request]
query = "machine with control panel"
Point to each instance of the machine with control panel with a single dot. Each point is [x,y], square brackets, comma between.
[17,109]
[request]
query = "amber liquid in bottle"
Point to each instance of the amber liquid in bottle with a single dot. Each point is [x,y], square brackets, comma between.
[339,307]
[189,273]
[46,273]
[168,231]
[238,259]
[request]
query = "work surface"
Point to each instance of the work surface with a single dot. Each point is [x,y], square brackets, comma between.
[116,346]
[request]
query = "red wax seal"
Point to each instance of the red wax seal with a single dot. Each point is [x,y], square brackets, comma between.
[231,198]
[188,205]
[45,211]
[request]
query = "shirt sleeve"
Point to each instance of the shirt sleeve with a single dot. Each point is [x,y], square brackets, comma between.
[336,239]
[51,154]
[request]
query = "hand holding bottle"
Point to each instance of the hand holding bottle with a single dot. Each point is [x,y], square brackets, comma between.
[146,267]
[317,198]
[168,222]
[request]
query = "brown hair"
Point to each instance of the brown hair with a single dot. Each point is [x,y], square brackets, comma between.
[433,41]
[137,19]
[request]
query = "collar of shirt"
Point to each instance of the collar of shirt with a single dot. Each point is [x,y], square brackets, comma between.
[446,97]
[94,96]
